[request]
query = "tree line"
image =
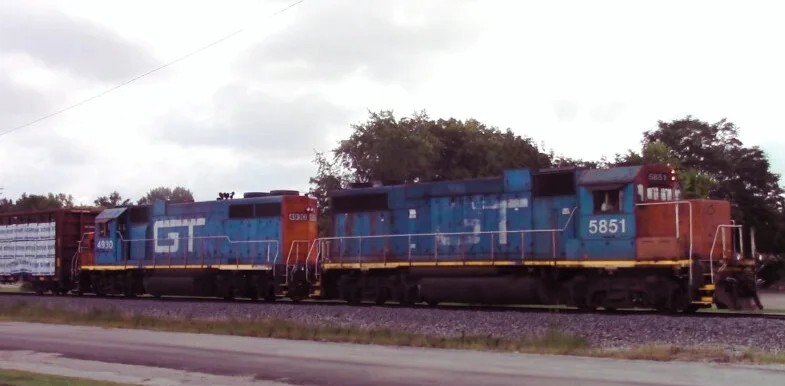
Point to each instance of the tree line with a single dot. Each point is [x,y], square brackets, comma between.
[30,202]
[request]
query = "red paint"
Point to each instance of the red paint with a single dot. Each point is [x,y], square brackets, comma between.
[656,226]
[299,219]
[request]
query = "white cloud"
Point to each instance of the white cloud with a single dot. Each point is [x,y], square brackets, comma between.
[79,46]
[247,113]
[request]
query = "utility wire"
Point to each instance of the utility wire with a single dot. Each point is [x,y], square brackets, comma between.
[161,67]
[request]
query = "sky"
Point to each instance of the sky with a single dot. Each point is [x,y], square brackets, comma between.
[249,113]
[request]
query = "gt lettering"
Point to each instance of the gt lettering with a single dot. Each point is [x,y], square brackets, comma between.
[174,237]
[612,226]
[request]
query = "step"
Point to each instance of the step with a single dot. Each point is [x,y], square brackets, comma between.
[708,287]
[707,299]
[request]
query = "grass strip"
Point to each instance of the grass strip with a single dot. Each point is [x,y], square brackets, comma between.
[552,341]
[24,378]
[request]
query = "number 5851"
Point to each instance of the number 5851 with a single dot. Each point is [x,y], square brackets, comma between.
[607,226]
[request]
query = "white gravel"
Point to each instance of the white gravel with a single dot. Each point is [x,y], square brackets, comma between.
[605,330]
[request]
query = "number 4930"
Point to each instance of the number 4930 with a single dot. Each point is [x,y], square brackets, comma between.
[607,226]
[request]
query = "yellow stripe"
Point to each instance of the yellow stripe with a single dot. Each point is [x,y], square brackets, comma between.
[528,263]
[225,267]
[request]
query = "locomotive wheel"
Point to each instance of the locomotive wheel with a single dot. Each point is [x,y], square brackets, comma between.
[224,287]
[298,291]
[129,287]
[348,290]
[382,293]
[407,294]
[252,287]
[267,291]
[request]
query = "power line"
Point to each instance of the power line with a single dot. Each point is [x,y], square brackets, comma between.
[181,58]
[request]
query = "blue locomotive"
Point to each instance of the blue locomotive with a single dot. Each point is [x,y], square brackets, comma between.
[614,238]
[227,247]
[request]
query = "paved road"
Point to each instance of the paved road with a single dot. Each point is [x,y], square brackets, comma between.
[772,300]
[321,363]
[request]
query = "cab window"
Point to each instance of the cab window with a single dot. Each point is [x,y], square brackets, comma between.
[661,194]
[103,229]
[607,201]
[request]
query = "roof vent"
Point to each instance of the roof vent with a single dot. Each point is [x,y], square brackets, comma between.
[284,193]
[255,194]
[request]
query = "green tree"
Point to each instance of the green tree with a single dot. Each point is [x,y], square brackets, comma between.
[568,162]
[329,177]
[178,194]
[417,149]
[43,202]
[6,205]
[694,183]
[113,200]
[716,164]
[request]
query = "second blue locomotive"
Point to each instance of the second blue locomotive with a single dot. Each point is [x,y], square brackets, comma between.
[614,238]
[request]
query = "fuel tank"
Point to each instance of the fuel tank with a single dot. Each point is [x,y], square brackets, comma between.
[175,284]
[485,290]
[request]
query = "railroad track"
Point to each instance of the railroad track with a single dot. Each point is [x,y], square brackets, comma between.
[464,307]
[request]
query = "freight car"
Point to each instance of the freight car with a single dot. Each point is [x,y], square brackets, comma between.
[39,247]
[227,248]
[621,237]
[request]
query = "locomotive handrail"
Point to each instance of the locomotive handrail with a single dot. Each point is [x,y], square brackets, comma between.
[78,254]
[216,237]
[320,255]
[714,243]
[295,246]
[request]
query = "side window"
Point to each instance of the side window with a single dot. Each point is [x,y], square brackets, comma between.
[641,195]
[103,230]
[653,194]
[607,201]
[660,194]
[667,194]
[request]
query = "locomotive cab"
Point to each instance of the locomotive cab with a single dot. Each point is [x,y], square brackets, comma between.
[637,215]
[108,234]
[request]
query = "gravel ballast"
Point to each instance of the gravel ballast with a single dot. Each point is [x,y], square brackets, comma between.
[601,330]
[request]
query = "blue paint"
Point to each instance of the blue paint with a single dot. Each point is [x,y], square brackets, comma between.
[361,224]
[249,233]
[617,175]
[592,211]
[553,213]
[517,180]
